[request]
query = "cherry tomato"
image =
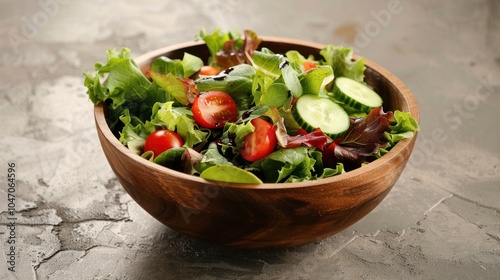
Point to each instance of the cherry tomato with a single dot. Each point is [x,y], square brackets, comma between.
[209,70]
[308,65]
[162,140]
[260,142]
[213,109]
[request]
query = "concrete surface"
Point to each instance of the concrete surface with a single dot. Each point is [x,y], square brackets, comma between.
[74,220]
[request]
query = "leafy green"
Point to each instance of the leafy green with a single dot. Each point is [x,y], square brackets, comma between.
[275,96]
[341,60]
[124,88]
[215,41]
[228,173]
[181,89]
[291,124]
[172,158]
[228,49]
[184,68]
[235,52]
[403,126]
[191,64]
[124,81]
[182,159]
[179,119]
[396,137]
[267,64]
[164,65]
[403,122]
[315,80]
[292,165]
[232,139]
[211,157]
[280,164]
[236,81]
[291,79]
[134,132]
[352,112]
[295,58]
[236,132]
[339,169]
[272,69]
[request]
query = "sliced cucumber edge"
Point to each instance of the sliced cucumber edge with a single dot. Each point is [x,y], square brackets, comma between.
[343,94]
[310,126]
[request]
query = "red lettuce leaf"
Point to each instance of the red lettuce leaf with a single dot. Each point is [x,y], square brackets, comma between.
[316,139]
[233,52]
[352,157]
[369,130]
[362,141]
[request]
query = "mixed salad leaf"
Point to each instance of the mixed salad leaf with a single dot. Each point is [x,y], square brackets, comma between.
[247,121]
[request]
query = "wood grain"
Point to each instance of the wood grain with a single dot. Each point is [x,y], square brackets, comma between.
[266,215]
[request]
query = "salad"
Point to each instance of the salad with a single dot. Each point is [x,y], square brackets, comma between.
[248,115]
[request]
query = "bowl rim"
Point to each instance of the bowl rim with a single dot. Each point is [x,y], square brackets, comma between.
[102,125]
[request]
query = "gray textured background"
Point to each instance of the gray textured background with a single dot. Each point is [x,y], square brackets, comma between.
[441,220]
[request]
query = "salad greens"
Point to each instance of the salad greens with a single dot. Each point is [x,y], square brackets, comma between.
[262,84]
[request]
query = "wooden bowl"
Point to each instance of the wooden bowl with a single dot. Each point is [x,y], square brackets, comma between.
[266,215]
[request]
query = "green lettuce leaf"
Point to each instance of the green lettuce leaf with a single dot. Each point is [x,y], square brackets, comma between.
[182,159]
[172,158]
[295,58]
[339,169]
[291,79]
[228,173]
[124,81]
[267,64]
[403,122]
[184,68]
[276,95]
[320,171]
[134,132]
[396,137]
[340,59]
[236,81]
[274,68]
[183,90]
[164,65]
[215,41]
[232,139]
[402,126]
[180,120]
[123,87]
[211,157]
[236,133]
[191,64]
[290,164]
[315,80]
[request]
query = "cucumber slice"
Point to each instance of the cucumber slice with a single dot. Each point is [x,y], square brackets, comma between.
[312,111]
[356,95]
